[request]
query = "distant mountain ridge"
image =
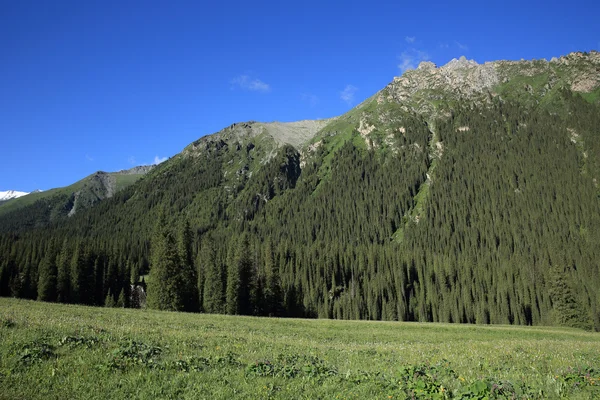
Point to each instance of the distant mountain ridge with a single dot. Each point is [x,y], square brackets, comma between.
[11,194]
[66,201]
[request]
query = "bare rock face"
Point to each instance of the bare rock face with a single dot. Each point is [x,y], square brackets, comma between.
[460,77]
[293,133]
[421,89]
[426,65]
[461,63]
[139,170]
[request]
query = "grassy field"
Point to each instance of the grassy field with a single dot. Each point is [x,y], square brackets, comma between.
[67,352]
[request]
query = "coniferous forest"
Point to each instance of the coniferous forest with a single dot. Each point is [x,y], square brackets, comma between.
[488,213]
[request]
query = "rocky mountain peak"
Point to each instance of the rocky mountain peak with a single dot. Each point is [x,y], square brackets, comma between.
[418,90]
[461,63]
[426,65]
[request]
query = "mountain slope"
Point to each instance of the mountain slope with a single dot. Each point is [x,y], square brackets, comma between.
[466,193]
[11,194]
[41,207]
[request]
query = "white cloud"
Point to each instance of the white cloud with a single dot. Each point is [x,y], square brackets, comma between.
[461,46]
[158,160]
[411,58]
[348,94]
[410,39]
[88,157]
[249,83]
[311,99]
[131,160]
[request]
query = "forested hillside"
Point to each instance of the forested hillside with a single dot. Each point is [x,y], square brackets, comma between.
[471,201]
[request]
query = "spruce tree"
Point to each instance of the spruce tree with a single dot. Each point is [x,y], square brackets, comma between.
[109,301]
[121,301]
[240,280]
[81,276]
[47,278]
[233,302]
[63,283]
[567,309]
[165,285]
[188,277]
[213,292]
[272,290]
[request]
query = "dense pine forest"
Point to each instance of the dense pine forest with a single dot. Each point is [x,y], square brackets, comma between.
[484,212]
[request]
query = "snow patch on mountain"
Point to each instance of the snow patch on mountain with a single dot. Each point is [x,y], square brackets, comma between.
[11,194]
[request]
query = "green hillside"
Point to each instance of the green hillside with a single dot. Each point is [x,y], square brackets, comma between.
[75,352]
[466,193]
[43,207]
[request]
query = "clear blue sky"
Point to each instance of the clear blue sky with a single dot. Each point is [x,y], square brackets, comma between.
[105,85]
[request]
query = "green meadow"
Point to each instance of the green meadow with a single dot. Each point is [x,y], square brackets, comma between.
[51,351]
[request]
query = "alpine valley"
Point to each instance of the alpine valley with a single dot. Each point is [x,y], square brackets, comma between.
[463,193]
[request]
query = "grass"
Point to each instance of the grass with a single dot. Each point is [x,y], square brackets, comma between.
[64,351]
[592,97]
[125,180]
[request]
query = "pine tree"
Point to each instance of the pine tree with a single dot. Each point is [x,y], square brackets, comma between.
[213,293]
[109,301]
[240,279]
[99,280]
[568,310]
[164,288]
[82,276]
[47,278]
[63,283]
[234,278]
[187,273]
[121,301]
[272,291]
[200,271]
[247,280]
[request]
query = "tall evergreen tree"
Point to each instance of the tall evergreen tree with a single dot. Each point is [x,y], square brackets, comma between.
[240,280]
[81,275]
[272,290]
[63,265]
[164,286]
[187,272]
[234,282]
[567,309]
[213,293]
[47,278]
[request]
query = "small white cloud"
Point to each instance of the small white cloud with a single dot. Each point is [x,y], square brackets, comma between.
[410,39]
[158,160]
[348,94]
[88,157]
[311,99]
[461,46]
[411,58]
[249,83]
[131,160]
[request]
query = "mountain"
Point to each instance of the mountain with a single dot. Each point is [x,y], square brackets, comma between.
[11,194]
[41,207]
[462,193]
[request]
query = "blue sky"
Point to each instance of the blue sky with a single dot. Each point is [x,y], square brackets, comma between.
[106,85]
